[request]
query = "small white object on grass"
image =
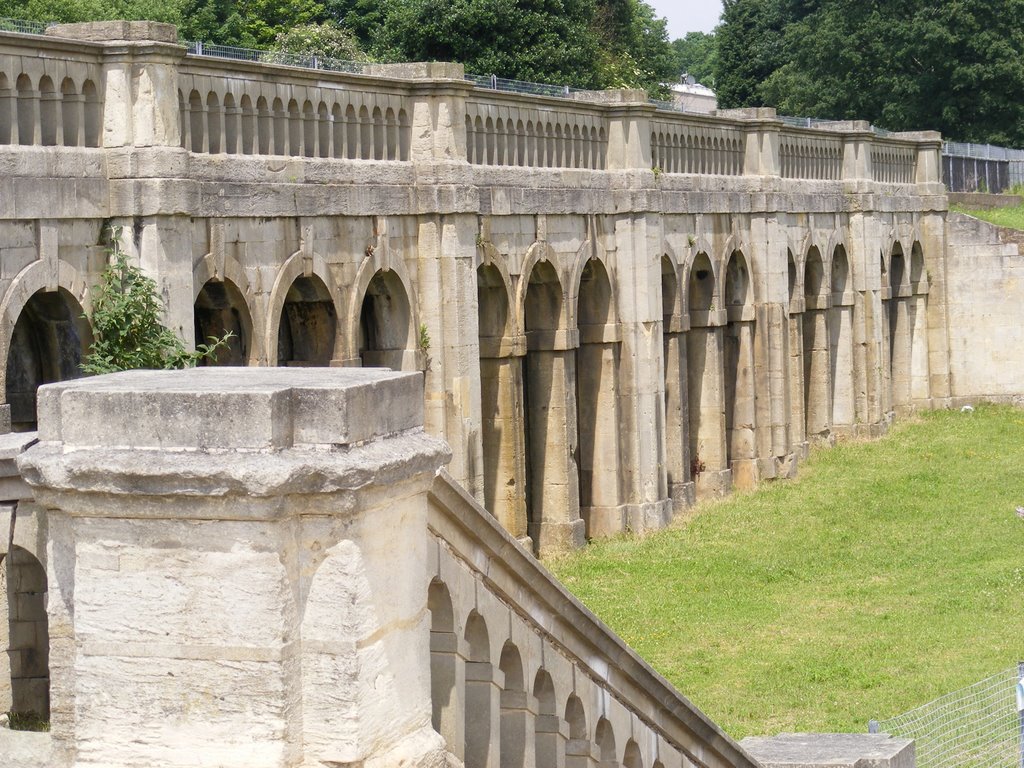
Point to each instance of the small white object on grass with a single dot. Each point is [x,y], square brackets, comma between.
[967,409]
[1020,511]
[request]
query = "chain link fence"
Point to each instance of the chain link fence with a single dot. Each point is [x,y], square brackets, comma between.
[976,727]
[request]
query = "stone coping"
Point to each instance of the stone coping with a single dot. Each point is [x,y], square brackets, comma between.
[835,750]
[230,408]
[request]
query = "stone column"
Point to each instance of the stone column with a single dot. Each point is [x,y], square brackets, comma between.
[222,567]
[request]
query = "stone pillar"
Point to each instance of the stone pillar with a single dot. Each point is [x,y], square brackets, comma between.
[501,388]
[641,380]
[842,351]
[677,419]
[706,391]
[140,99]
[483,715]
[554,496]
[222,548]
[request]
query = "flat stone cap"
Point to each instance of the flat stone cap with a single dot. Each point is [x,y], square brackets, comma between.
[111,31]
[230,408]
[835,750]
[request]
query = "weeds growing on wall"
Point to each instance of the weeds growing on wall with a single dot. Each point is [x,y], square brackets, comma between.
[126,323]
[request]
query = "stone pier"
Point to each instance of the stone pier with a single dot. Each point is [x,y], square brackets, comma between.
[235,563]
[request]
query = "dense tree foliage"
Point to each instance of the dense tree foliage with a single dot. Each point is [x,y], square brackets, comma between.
[696,54]
[584,43]
[948,65]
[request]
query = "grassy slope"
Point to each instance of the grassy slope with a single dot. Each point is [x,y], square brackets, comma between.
[890,573]
[1002,217]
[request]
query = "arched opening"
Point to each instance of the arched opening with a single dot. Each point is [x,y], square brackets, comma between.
[899,331]
[280,125]
[28,110]
[308,328]
[740,413]
[219,309]
[28,633]
[547,726]
[597,407]
[501,404]
[516,721]
[677,448]
[704,379]
[309,131]
[817,373]
[50,340]
[552,500]
[197,127]
[795,324]
[604,740]
[577,748]
[48,114]
[481,692]
[93,114]
[264,127]
[71,114]
[249,142]
[920,384]
[841,345]
[231,116]
[631,757]
[445,709]
[294,129]
[385,324]
[214,124]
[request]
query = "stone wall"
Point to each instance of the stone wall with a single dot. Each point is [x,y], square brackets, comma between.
[617,308]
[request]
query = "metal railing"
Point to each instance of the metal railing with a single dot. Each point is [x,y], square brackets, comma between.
[24,27]
[280,58]
[975,727]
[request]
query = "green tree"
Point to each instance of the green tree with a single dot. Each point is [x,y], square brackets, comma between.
[634,47]
[750,48]
[126,324]
[538,40]
[70,11]
[696,54]
[326,38]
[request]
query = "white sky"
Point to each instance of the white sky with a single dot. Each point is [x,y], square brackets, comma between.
[688,15]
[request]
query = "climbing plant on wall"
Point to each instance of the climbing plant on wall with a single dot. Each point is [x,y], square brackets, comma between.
[126,322]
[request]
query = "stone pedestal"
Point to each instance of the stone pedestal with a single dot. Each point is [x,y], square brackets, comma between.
[235,567]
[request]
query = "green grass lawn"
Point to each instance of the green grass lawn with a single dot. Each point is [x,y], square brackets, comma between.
[1002,217]
[890,572]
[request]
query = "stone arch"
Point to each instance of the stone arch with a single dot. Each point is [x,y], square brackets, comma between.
[704,372]
[604,740]
[394,282]
[231,115]
[214,124]
[920,378]
[516,720]
[47,288]
[28,633]
[674,325]
[841,343]
[740,407]
[501,403]
[71,113]
[597,362]
[479,683]
[445,707]
[299,265]
[540,253]
[578,744]
[248,141]
[221,308]
[385,322]
[631,756]
[27,101]
[817,355]
[48,118]
[197,129]
[900,323]
[93,109]
[547,728]
[796,352]
[552,490]
[228,270]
